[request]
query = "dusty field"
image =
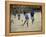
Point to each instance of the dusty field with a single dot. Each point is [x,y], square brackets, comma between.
[17,25]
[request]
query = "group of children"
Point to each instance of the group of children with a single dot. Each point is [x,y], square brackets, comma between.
[27,17]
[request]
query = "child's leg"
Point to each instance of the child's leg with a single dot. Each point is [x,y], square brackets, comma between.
[32,19]
[25,22]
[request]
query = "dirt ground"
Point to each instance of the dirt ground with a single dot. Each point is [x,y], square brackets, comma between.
[17,25]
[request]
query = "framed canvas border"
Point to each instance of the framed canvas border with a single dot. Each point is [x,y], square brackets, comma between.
[7,18]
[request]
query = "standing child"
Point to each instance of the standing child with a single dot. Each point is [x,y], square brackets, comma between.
[32,15]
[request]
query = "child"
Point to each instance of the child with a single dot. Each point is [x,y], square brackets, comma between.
[27,18]
[32,15]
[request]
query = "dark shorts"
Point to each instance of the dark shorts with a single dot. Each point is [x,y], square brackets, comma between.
[32,14]
[26,17]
